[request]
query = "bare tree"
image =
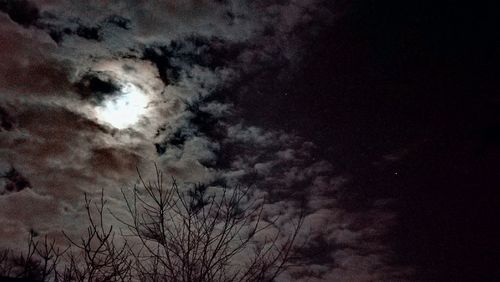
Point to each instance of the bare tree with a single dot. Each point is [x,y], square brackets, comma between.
[97,256]
[40,262]
[198,235]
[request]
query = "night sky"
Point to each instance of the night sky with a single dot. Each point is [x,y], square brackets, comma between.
[378,118]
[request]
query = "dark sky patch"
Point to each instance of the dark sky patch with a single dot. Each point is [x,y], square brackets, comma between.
[227,155]
[206,52]
[160,148]
[58,34]
[205,122]
[59,27]
[7,121]
[15,181]
[22,12]
[96,86]
[319,251]
[178,138]
[193,50]
[89,32]
[160,58]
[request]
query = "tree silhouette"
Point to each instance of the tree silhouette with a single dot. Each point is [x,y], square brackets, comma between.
[167,234]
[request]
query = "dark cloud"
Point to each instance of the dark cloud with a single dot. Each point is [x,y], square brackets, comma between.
[7,122]
[27,14]
[96,86]
[15,181]
[211,53]
[60,31]
[90,33]
[159,56]
[58,35]
[119,21]
[22,12]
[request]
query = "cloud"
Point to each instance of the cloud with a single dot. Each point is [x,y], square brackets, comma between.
[22,12]
[192,59]
[7,122]
[14,181]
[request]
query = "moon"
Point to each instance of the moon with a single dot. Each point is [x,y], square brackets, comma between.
[125,109]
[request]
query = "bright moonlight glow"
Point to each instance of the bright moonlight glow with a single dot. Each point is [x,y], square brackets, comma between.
[125,109]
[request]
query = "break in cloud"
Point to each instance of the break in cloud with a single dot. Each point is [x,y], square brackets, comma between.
[61,60]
